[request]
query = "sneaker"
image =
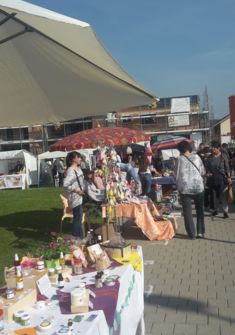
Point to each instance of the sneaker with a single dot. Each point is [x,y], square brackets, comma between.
[226,216]
[214,213]
[200,235]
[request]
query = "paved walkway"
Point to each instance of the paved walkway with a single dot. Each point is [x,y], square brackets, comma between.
[190,284]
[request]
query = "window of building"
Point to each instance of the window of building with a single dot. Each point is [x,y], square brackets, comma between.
[148,119]
[55,131]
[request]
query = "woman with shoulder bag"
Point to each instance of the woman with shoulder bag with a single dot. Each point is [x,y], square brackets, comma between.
[74,183]
[218,177]
[189,174]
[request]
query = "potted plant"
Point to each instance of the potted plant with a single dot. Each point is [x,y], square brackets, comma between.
[51,252]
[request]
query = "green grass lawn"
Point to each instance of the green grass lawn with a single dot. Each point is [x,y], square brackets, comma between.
[26,219]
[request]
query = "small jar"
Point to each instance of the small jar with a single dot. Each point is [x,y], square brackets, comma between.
[98,281]
[10,293]
[40,265]
[17,316]
[58,269]
[25,320]
[77,267]
[78,296]
[51,272]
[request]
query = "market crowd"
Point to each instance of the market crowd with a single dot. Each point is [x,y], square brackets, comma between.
[131,170]
[203,177]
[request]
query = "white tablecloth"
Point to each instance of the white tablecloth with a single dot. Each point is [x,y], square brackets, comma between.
[13,181]
[130,317]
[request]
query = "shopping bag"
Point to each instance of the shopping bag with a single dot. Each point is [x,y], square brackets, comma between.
[230,194]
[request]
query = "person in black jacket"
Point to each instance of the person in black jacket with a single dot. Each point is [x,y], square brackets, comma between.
[218,177]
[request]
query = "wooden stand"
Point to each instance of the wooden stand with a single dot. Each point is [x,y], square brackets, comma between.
[84,308]
[22,301]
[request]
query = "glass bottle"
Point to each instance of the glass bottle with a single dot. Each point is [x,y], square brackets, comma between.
[99,239]
[93,239]
[62,260]
[77,266]
[60,281]
[17,263]
[89,238]
[19,281]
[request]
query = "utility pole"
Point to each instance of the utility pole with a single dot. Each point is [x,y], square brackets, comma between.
[44,138]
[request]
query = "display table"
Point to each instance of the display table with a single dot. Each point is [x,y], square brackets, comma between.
[123,315]
[169,180]
[143,216]
[13,181]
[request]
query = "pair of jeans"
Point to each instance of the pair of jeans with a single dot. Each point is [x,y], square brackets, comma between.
[146,183]
[208,198]
[77,221]
[220,198]
[186,200]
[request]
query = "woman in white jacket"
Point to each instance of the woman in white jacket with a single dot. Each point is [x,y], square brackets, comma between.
[189,179]
[74,183]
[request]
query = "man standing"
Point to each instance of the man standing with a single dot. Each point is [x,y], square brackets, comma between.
[218,177]
[59,163]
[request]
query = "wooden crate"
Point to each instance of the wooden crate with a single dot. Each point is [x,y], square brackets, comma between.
[22,301]
[29,281]
[114,251]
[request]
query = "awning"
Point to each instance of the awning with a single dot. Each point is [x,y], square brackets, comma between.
[53,68]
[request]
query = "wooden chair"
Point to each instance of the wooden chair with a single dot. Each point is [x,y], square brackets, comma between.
[68,213]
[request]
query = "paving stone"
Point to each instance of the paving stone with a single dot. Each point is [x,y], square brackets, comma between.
[160,328]
[148,326]
[181,329]
[193,278]
[208,330]
[227,330]
[196,319]
[155,317]
[175,317]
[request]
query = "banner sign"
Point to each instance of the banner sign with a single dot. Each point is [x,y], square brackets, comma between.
[180,105]
[12,181]
[178,120]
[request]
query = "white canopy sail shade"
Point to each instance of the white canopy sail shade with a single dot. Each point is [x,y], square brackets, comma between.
[53,68]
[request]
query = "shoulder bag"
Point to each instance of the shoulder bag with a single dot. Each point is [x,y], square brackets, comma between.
[193,165]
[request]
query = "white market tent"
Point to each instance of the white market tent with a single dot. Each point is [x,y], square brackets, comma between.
[63,154]
[54,68]
[29,160]
[52,155]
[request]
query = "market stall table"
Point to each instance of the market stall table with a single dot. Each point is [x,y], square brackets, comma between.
[165,180]
[13,181]
[147,218]
[116,310]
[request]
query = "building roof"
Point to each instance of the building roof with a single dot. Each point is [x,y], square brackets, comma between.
[224,118]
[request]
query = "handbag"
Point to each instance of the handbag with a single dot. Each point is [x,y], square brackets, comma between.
[230,194]
[193,164]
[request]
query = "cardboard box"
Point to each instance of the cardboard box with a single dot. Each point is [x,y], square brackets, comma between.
[84,308]
[106,231]
[22,301]
[117,251]
[29,280]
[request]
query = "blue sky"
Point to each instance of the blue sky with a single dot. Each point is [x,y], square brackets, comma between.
[172,47]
